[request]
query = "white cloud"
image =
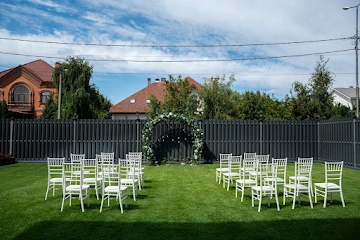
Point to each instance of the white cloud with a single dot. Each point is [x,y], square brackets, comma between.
[185,22]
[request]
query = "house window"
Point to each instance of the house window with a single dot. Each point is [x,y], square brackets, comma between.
[132,100]
[21,95]
[147,100]
[45,96]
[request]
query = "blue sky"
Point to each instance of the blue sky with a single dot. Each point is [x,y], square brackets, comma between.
[129,41]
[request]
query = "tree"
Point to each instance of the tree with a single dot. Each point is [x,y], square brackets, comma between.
[217,98]
[256,105]
[179,99]
[313,100]
[320,82]
[50,109]
[155,107]
[4,112]
[79,98]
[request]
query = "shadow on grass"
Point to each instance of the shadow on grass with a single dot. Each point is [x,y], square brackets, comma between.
[291,229]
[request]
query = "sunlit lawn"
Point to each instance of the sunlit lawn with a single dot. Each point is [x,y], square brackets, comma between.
[178,202]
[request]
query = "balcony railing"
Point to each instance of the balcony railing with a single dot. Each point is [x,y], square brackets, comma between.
[20,106]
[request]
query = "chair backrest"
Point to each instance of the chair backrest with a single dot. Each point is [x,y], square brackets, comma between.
[235,164]
[225,158]
[307,160]
[304,167]
[249,155]
[134,155]
[73,174]
[263,158]
[267,170]
[91,167]
[281,166]
[55,167]
[249,165]
[112,178]
[304,170]
[75,158]
[107,157]
[333,172]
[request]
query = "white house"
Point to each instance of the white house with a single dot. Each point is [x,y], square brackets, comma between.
[345,96]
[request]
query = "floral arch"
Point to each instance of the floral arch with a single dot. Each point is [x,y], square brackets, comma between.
[195,131]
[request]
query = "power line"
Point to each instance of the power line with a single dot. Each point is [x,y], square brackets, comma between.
[175,46]
[189,60]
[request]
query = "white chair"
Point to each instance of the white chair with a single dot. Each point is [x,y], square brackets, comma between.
[265,188]
[245,180]
[299,186]
[224,158]
[74,188]
[249,155]
[112,188]
[234,171]
[333,182]
[75,158]
[280,177]
[105,163]
[107,157]
[304,177]
[139,170]
[260,159]
[92,178]
[55,166]
[263,158]
[128,175]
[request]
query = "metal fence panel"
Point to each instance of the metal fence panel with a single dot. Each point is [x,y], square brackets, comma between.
[327,140]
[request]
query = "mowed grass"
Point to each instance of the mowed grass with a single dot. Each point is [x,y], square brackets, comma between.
[178,202]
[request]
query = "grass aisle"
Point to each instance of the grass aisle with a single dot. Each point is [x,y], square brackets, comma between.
[178,202]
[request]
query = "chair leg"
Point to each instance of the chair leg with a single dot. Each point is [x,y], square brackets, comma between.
[62,204]
[325,198]
[120,203]
[47,191]
[342,198]
[260,200]
[277,201]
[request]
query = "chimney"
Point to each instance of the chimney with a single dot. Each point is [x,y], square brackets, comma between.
[157,80]
[163,79]
[149,81]
[57,64]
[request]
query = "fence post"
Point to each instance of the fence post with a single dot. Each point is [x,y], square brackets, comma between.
[261,135]
[11,136]
[318,140]
[354,132]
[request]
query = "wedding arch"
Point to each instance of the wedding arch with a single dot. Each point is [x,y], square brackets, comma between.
[195,131]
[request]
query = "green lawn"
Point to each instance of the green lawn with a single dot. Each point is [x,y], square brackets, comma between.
[178,202]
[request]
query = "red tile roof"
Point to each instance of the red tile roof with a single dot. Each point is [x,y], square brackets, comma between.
[41,70]
[157,88]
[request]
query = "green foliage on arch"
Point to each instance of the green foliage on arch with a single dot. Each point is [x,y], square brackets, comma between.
[196,132]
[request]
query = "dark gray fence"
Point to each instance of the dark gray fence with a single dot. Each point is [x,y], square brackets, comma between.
[35,140]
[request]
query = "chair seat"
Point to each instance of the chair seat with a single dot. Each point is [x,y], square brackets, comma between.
[92,180]
[246,181]
[298,186]
[128,181]
[264,188]
[115,188]
[56,180]
[222,169]
[329,185]
[233,174]
[270,179]
[300,178]
[77,187]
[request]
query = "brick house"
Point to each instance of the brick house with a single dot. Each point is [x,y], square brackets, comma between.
[26,88]
[136,105]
